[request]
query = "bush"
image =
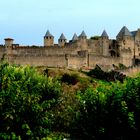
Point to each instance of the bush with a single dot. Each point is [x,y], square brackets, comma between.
[70,79]
[108,112]
[33,106]
[26,99]
[95,37]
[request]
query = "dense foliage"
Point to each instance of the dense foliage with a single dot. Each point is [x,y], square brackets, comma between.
[109,112]
[69,79]
[26,99]
[95,37]
[34,106]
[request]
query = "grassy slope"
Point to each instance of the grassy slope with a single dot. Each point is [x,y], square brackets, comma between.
[83,79]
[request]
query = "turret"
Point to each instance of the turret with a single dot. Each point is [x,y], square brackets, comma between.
[62,40]
[74,38]
[48,39]
[125,42]
[136,36]
[82,41]
[126,47]
[8,42]
[105,43]
[83,35]
[124,34]
[104,35]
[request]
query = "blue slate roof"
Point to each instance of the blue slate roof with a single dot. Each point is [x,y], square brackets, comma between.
[83,34]
[75,37]
[104,34]
[62,37]
[48,34]
[124,32]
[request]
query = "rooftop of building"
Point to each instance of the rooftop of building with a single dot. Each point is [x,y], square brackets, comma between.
[104,34]
[8,39]
[124,32]
[83,34]
[62,37]
[48,34]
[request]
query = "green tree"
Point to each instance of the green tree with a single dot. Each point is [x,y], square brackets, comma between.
[26,101]
[109,112]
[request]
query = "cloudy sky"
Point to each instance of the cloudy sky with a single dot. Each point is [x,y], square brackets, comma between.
[26,21]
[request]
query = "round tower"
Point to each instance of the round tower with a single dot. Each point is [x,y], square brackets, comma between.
[8,42]
[48,39]
[125,38]
[126,46]
[125,42]
[62,40]
[82,41]
[105,43]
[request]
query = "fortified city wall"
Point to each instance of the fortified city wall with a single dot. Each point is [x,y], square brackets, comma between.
[78,52]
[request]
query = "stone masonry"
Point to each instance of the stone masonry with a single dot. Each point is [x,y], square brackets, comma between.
[77,53]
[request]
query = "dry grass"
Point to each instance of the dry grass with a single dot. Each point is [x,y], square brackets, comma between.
[132,72]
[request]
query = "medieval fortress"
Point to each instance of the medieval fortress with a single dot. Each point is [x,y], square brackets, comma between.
[78,52]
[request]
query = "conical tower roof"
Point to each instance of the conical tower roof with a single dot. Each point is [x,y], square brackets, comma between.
[48,34]
[104,34]
[62,37]
[83,34]
[124,32]
[75,37]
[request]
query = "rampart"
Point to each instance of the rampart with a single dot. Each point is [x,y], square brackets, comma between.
[77,53]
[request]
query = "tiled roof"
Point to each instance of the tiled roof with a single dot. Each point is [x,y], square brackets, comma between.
[83,34]
[104,34]
[8,39]
[75,37]
[62,37]
[124,32]
[48,34]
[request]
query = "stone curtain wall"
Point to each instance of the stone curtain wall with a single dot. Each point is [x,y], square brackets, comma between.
[60,57]
[107,62]
[73,55]
[50,61]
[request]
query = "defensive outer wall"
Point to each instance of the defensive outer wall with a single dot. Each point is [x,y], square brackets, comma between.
[77,53]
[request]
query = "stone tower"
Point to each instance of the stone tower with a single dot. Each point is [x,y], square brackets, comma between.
[83,36]
[136,36]
[62,40]
[125,42]
[83,40]
[105,43]
[8,42]
[48,39]
[126,46]
[125,38]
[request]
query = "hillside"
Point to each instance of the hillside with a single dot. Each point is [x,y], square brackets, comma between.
[53,104]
